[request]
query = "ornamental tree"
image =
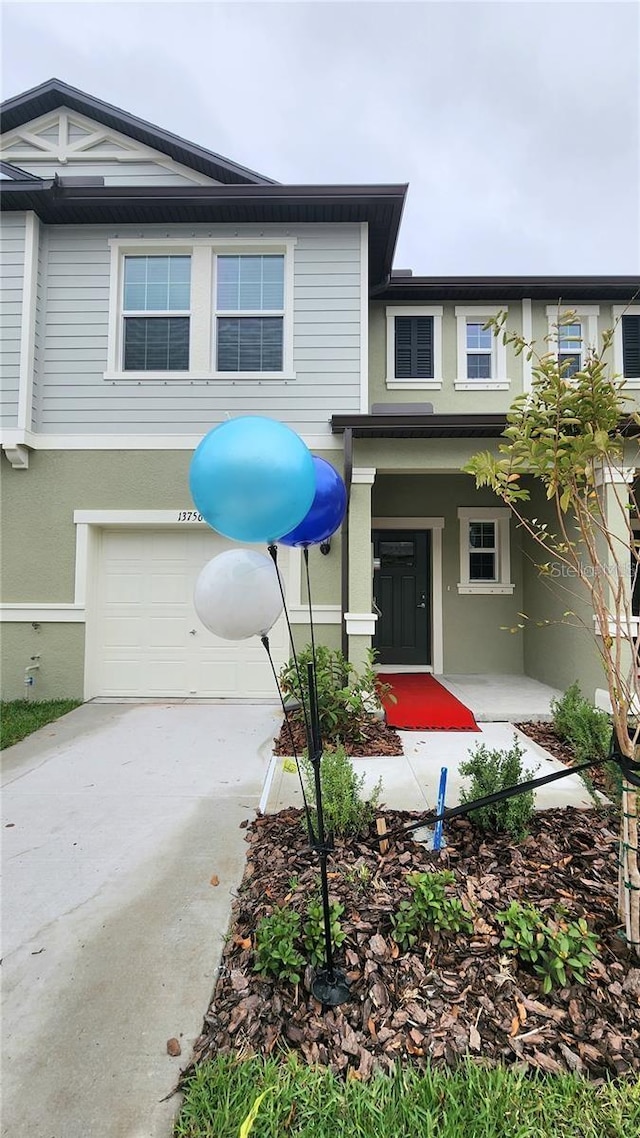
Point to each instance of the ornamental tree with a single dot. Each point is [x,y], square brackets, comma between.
[574,436]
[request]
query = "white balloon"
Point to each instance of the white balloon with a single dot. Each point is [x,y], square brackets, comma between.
[237,595]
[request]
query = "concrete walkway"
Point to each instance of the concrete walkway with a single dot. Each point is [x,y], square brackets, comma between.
[410,782]
[114,820]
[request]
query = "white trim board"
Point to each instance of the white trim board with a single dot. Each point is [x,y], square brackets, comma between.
[28,327]
[436,526]
[36,441]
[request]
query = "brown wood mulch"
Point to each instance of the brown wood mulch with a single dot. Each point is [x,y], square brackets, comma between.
[602,778]
[372,738]
[453,995]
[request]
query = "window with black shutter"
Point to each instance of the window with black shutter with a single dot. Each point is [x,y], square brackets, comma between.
[631,347]
[414,347]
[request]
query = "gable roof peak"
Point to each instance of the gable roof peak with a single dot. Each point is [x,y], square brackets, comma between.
[54,94]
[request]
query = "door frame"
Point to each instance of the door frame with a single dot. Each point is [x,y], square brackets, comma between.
[436,526]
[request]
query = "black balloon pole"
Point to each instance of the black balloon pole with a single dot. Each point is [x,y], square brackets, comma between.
[330,985]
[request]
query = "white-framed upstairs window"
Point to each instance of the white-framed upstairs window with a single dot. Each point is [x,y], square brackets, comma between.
[485,550]
[414,347]
[156,313]
[250,313]
[626,342]
[482,357]
[204,310]
[573,334]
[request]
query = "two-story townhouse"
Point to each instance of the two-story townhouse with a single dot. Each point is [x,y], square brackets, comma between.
[151,289]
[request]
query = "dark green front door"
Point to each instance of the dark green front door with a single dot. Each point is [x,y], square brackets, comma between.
[402,592]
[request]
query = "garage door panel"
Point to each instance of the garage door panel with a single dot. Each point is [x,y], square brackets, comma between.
[167,632]
[148,639]
[170,588]
[123,632]
[123,587]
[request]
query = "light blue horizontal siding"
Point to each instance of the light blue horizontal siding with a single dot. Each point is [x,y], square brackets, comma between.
[12,243]
[74,396]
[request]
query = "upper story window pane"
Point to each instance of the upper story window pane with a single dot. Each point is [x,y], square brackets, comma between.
[250,283]
[478,337]
[570,347]
[157,284]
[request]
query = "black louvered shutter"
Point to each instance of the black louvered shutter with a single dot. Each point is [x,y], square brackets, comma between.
[631,346]
[414,347]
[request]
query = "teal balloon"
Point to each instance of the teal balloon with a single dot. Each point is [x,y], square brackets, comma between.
[252,479]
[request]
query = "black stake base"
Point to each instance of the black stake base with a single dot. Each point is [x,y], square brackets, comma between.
[330,988]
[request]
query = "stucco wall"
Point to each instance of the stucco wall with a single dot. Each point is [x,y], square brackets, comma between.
[474,637]
[61,650]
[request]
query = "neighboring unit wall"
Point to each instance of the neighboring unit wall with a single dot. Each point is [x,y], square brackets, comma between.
[448,397]
[12,245]
[559,643]
[76,398]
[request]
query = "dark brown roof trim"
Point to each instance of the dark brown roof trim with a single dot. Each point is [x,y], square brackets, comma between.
[425,426]
[54,93]
[380,206]
[550,288]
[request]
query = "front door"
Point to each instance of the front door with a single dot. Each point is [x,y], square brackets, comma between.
[402,593]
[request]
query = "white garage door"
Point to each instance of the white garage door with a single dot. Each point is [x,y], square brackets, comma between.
[146,639]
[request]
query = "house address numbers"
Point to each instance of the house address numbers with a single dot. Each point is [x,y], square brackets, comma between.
[189,516]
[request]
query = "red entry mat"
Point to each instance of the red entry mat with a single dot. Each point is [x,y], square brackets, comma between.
[424,705]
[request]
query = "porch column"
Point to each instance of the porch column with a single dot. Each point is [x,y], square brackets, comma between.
[360,620]
[613,488]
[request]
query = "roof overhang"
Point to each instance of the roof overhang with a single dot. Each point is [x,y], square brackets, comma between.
[499,289]
[427,426]
[380,206]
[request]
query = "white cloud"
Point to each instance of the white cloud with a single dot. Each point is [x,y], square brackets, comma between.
[516,124]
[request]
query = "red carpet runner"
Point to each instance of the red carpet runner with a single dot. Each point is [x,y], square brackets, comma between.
[424,705]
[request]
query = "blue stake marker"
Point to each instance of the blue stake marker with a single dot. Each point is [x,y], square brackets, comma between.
[442,790]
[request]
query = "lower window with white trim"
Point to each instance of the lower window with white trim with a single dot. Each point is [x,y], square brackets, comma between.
[485,554]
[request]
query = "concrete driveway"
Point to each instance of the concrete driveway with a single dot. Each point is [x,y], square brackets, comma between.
[114,820]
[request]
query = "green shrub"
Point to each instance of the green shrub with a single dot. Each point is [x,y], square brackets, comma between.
[346,697]
[282,937]
[313,929]
[345,811]
[495,770]
[559,950]
[429,906]
[579,723]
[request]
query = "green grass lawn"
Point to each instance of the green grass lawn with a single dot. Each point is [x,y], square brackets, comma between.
[20,717]
[471,1102]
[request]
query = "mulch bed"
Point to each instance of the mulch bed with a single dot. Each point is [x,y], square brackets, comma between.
[455,994]
[602,778]
[372,738]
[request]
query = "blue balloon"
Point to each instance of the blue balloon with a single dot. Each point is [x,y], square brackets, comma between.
[327,509]
[252,479]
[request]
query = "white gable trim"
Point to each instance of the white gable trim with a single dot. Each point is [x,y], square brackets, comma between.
[125,149]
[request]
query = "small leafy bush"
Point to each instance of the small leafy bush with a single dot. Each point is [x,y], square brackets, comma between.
[429,907]
[283,936]
[276,951]
[345,811]
[577,722]
[313,929]
[346,697]
[559,950]
[495,770]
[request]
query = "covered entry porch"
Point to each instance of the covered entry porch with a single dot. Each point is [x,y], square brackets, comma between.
[439,577]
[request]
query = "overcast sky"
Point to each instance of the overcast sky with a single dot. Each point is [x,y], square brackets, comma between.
[516,123]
